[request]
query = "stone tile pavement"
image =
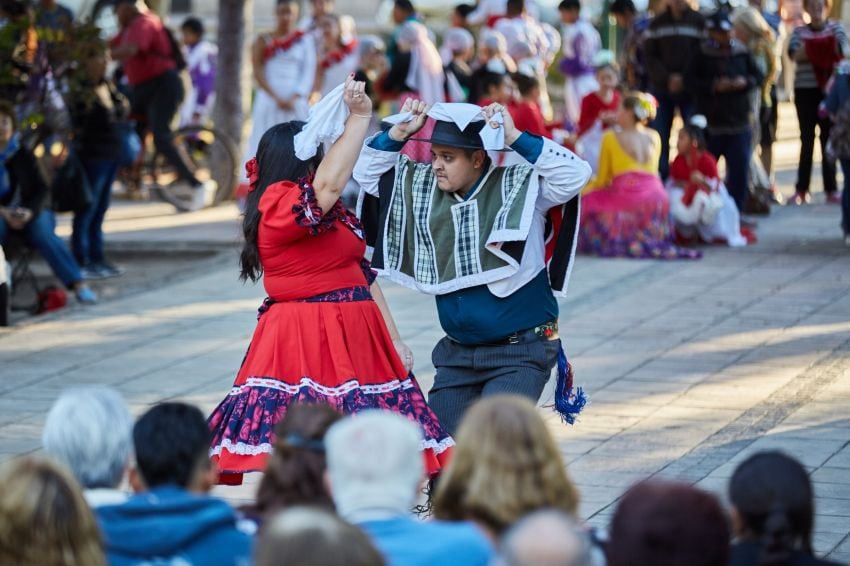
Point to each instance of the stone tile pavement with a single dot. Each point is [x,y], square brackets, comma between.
[691,365]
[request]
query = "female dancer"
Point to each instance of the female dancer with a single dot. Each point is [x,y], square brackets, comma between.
[626,213]
[338,53]
[284,68]
[325,333]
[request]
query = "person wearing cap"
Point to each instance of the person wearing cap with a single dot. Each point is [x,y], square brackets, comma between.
[723,74]
[474,235]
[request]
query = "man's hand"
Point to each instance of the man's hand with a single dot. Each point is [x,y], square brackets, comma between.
[511,133]
[406,130]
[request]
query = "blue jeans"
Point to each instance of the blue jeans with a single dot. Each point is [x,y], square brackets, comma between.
[87,239]
[663,123]
[736,150]
[40,233]
[845,197]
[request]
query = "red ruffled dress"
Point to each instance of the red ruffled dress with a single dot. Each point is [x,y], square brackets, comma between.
[320,337]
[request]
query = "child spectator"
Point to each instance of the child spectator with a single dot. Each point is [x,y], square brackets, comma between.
[599,110]
[580,44]
[816,48]
[699,202]
[201,60]
[837,104]
[526,111]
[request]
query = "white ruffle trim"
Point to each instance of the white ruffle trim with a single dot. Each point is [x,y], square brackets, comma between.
[242,449]
[323,389]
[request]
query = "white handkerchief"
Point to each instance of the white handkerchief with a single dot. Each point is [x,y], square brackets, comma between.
[325,123]
[462,114]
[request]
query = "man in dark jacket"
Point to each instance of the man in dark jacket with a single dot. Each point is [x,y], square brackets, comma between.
[671,44]
[171,520]
[723,74]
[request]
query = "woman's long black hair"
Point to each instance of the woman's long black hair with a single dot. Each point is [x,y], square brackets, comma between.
[276,162]
[773,495]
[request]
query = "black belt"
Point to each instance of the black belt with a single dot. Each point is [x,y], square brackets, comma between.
[545,331]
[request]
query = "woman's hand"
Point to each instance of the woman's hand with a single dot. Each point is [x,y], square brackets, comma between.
[406,130]
[287,104]
[354,95]
[405,353]
[511,133]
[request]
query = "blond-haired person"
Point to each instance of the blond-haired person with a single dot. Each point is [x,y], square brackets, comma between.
[44,520]
[505,465]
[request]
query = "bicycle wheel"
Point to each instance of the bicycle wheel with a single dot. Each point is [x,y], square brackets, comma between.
[210,154]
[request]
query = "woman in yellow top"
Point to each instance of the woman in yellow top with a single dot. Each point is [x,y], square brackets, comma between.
[625,211]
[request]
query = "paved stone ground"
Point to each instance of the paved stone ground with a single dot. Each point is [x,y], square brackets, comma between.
[691,366]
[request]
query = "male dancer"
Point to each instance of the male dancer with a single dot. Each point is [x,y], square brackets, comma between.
[475,236]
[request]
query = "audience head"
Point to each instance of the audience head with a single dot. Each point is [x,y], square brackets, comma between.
[295,474]
[527,85]
[607,70]
[719,27]
[818,10]
[545,538]
[569,10]
[505,465]
[491,45]
[322,7]
[286,13]
[276,161]
[497,87]
[389,477]
[459,43]
[89,430]
[773,504]
[304,535]
[331,28]
[125,11]
[636,108]
[515,8]
[172,444]
[192,30]
[44,519]
[668,524]
[372,53]
[460,13]
[750,25]
[692,135]
[403,10]
[624,12]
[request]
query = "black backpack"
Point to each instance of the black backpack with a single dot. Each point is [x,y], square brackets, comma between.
[176,51]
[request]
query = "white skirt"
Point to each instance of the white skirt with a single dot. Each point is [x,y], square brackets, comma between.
[711,216]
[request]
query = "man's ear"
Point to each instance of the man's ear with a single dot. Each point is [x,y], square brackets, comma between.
[479,158]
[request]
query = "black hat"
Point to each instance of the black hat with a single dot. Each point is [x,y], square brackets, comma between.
[718,21]
[448,133]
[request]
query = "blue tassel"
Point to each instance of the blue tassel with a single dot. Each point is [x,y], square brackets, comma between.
[568,402]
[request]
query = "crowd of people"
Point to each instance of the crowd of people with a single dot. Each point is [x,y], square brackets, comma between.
[346,491]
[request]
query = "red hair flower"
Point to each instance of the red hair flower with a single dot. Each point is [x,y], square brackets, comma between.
[253,174]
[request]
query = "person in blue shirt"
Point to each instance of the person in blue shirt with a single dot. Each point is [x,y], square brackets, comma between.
[171,519]
[375,471]
[475,235]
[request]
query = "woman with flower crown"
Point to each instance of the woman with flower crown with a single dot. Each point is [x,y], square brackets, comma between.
[284,63]
[625,211]
[325,333]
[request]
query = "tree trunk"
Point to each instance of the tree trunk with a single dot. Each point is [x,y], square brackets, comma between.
[233,97]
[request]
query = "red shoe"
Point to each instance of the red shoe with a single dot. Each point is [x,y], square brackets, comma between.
[749,235]
[833,198]
[800,198]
